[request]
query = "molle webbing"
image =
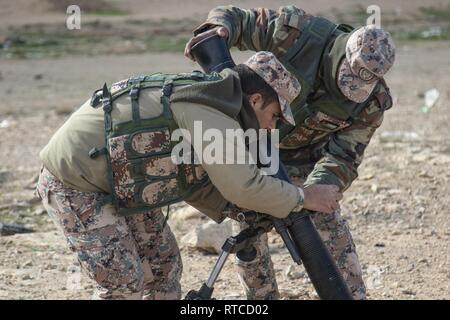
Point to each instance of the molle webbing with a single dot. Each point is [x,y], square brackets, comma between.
[134,96]
[165,98]
[141,173]
[303,60]
[107,108]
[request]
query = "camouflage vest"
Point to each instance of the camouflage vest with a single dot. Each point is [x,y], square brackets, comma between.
[321,109]
[141,173]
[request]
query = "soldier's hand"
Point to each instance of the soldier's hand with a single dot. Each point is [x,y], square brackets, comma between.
[221,31]
[322,198]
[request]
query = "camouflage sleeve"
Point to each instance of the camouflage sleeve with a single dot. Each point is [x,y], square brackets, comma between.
[258,29]
[344,151]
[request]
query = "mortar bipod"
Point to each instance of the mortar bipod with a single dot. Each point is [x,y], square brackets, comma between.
[242,245]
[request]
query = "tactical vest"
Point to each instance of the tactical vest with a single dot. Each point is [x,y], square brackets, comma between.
[321,109]
[141,173]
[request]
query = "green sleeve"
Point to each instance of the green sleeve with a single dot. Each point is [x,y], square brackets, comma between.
[345,149]
[258,29]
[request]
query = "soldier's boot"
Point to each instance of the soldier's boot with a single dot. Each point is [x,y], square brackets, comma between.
[160,256]
[257,277]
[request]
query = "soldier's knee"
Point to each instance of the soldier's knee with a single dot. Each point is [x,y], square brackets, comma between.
[164,284]
[117,278]
[111,260]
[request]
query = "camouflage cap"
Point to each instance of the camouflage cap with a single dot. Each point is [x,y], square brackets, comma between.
[268,67]
[369,54]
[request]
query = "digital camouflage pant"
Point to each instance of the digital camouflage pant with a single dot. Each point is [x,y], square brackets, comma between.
[133,257]
[258,276]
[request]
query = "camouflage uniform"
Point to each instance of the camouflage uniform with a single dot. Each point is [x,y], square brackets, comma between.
[133,257]
[323,149]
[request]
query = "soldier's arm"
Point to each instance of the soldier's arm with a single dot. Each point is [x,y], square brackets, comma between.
[241,184]
[258,29]
[345,149]
[209,201]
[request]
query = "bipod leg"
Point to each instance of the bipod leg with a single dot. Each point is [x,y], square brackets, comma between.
[205,292]
[243,243]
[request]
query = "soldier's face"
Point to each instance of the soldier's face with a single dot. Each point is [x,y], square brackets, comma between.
[268,114]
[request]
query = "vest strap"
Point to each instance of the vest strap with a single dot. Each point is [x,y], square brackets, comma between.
[305,55]
[384,98]
[134,95]
[107,108]
[165,98]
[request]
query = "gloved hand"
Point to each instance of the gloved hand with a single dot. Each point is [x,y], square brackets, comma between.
[221,31]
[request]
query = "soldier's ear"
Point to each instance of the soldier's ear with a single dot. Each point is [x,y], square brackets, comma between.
[256,100]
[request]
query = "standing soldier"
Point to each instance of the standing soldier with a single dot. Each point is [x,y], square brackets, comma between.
[108,170]
[342,103]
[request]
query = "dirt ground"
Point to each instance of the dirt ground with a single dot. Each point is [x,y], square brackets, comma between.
[397,209]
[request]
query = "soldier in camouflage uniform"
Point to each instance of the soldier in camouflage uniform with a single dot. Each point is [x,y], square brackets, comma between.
[343,100]
[107,172]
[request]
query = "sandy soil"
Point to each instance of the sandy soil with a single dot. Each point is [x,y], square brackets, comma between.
[397,209]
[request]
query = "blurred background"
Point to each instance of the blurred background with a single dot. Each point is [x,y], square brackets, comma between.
[397,209]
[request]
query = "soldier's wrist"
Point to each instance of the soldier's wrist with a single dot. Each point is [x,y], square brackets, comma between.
[301,200]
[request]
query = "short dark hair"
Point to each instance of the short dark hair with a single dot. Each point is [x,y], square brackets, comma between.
[252,83]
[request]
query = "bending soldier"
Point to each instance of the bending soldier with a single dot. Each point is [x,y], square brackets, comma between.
[342,103]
